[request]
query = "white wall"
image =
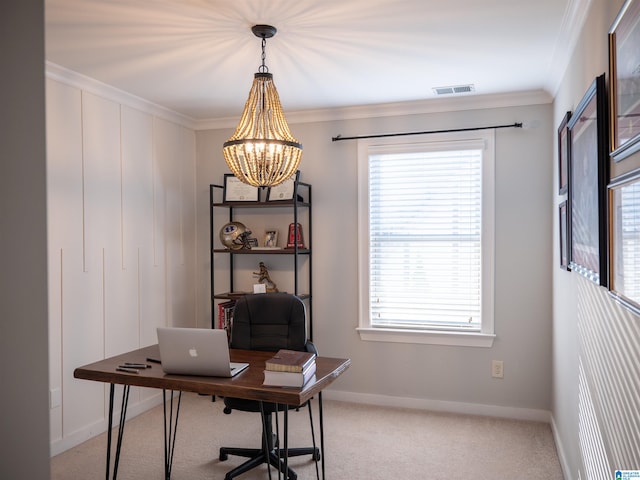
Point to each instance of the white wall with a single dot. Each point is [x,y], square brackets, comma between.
[596,342]
[24,422]
[121,220]
[432,376]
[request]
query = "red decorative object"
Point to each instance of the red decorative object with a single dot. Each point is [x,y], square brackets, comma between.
[295,236]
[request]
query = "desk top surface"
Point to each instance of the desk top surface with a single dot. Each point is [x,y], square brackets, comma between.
[247,384]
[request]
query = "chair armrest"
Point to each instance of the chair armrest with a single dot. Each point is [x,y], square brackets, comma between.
[310,347]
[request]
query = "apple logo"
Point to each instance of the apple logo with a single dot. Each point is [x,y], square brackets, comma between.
[193,352]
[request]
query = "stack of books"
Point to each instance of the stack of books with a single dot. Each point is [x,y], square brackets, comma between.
[225,316]
[290,368]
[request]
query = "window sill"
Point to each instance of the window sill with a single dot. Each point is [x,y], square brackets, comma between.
[431,337]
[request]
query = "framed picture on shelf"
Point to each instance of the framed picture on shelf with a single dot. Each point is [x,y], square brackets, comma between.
[624,214]
[563,233]
[237,191]
[624,75]
[589,149]
[285,191]
[271,238]
[563,154]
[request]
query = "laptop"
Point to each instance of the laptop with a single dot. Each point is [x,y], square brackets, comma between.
[196,351]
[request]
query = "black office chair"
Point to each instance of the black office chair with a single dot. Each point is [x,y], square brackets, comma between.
[268,322]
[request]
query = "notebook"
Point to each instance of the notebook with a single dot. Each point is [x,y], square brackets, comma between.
[196,351]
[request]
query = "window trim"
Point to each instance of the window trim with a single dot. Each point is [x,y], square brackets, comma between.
[367,332]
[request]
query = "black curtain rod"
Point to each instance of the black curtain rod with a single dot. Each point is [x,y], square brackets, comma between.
[340,137]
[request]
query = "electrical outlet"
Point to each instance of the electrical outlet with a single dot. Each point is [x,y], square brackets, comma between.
[497,369]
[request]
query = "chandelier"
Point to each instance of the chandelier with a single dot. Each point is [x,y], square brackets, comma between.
[262,152]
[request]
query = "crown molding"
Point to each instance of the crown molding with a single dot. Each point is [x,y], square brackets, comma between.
[436,105]
[573,21]
[74,79]
[433,105]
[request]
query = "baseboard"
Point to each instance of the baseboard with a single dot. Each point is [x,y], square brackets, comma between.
[440,406]
[80,436]
[562,457]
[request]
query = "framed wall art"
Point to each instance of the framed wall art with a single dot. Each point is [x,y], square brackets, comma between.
[624,214]
[237,191]
[563,154]
[285,191]
[624,74]
[589,147]
[563,235]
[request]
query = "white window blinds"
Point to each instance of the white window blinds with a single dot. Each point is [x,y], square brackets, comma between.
[425,227]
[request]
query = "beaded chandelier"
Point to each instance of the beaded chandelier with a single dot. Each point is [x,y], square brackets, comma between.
[262,152]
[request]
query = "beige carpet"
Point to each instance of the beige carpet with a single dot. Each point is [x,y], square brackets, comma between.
[362,442]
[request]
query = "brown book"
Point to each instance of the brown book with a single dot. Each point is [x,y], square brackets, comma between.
[289,361]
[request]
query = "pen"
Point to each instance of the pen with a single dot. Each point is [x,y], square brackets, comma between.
[136,365]
[154,360]
[128,370]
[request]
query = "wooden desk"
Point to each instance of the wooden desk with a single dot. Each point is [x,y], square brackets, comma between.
[247,384]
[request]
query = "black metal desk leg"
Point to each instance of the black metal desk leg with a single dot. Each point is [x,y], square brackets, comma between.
[286,442]
[123,415]
[313,437]
[170,430]
[321,433]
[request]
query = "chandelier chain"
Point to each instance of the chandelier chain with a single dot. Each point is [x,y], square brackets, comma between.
[263,68]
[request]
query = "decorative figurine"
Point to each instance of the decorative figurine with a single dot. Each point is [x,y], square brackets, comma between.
[263,277]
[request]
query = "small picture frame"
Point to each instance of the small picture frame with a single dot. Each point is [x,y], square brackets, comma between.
[285,191]
[237,191]
[624,88]
[271,238]
[563,233]
[624,217]
[563,154]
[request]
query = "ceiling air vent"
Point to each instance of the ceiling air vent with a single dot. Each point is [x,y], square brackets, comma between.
[453,90]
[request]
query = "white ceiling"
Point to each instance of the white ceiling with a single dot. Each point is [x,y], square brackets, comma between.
[197,57]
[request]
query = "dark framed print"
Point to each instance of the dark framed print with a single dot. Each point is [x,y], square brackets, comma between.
[563,234]
[237,191]
[624,214]
[624,74]
[563,154]
[285,191]
[588,167]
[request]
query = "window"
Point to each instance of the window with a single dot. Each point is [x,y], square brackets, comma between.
[426,238]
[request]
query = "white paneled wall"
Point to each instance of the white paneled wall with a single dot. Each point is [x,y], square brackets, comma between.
[121,237]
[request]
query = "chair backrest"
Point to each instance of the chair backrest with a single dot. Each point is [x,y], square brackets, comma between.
[269,321]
